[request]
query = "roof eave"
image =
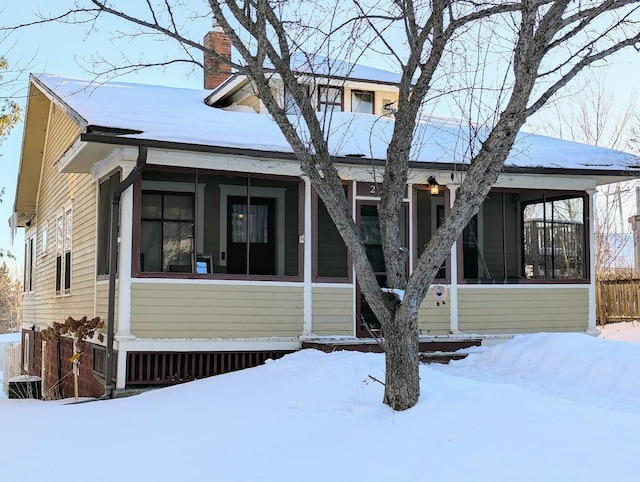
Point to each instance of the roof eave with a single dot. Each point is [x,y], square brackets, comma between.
[604,176]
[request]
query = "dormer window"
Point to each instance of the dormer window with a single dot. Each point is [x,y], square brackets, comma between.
[329,99]
[362,101]
[289,104]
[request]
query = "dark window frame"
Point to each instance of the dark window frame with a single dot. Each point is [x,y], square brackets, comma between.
[315,205]
[29,264]
[544,193]
[63,275]
[106,188]
[136,272]
[446,201]
[338,103]
[368,92]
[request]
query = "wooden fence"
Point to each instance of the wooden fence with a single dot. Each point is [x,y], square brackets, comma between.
[617,300]
[12,364]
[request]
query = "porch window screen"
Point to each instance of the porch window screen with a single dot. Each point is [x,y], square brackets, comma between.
[331,252]
[105,193]
[166,238]
[554,238]
[526,235]
[209,224]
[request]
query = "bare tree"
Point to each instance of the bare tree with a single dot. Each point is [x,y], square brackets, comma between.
[535,46]
[10,113]
[597,114]
[10,300]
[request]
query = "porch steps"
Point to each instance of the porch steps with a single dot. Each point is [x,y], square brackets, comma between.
[431,351]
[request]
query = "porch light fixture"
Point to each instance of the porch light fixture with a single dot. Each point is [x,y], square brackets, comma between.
[434,187]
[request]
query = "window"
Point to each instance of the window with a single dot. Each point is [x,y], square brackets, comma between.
[554,238]
[167,221]
[526,235]
[29,264]
[43,240]
[26,351]
[63,251]
[329,99]
[362,102]
[331,252]
[430,213]
[289,104]
[209,224]
[105,195]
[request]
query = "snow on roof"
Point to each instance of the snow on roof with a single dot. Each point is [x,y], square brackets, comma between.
[178,115]
[319,65]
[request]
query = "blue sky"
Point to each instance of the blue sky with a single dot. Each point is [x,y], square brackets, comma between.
[61,48]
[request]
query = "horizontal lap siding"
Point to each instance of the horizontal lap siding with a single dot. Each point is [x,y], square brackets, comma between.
[55,190]
[518,310]
[434,319]
[102,301]
[167,310]
[333,311]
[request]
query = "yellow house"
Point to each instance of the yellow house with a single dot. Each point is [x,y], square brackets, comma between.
[226,257]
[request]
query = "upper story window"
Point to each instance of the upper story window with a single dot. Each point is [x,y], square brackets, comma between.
[329,99]
[362,101]
[289,104]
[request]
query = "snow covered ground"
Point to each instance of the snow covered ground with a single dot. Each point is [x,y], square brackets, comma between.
[543,408]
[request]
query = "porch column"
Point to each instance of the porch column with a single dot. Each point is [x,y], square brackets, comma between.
[591,327]
[123,330]
[453,289]
[635,229]
[307,329]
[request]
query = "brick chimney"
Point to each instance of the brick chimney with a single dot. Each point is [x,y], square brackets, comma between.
[216,71]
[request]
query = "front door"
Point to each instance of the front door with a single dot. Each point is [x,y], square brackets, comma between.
[250,235]
[367,323]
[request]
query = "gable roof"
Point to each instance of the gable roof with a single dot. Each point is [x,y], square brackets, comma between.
[317,66]
[127,113]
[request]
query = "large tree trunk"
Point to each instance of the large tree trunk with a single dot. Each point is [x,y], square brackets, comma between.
[402,377]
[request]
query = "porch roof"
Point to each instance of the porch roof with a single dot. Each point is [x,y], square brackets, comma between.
[130,114]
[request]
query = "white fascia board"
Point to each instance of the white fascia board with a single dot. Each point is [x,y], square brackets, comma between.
[227,88]
[222,162]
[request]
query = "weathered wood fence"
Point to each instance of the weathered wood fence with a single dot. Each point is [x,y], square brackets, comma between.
[617,300]
[12,363]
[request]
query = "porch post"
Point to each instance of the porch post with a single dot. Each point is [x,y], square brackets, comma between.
[591,328]
[123,330]
[124,264]
[453,289]
[307,329]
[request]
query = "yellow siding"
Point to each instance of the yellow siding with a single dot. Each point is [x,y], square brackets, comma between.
[332,311]
[434,319]
[54,192]
[102,301]
[176,310]
[523,310]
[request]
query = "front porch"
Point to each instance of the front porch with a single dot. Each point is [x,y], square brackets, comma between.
[432,349]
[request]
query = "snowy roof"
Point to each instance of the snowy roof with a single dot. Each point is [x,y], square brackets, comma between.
[173,115]
[318,65]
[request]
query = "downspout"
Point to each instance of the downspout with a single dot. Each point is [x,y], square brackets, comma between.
[113,263]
